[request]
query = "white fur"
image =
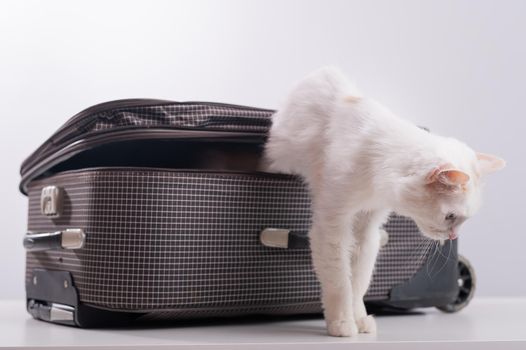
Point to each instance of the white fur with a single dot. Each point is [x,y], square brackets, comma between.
[361,162]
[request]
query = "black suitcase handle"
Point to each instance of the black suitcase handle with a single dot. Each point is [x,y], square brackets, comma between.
[71,238]
[283,238]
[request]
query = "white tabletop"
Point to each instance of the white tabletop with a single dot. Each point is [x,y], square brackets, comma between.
[484,324]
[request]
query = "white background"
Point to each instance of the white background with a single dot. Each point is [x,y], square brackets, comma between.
[458,67]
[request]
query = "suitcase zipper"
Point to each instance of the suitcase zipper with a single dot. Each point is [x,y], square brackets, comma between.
[91,114]
[78,146]
[98,110]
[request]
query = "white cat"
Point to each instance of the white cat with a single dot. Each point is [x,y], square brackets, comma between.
[361,162]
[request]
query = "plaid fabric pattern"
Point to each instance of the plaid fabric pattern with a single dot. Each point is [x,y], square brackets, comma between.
[187,243]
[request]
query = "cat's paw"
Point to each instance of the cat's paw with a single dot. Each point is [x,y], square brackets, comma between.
[366,324]
[342,328]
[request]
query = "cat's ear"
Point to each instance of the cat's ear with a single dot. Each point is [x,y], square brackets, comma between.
[453,177]
[489,163]
[447,176]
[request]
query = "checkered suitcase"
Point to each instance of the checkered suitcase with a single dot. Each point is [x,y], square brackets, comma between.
[145,209]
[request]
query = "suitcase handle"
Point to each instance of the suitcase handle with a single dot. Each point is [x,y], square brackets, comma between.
[71,238]
[283,238]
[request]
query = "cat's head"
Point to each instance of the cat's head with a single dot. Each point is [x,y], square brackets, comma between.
[441,198]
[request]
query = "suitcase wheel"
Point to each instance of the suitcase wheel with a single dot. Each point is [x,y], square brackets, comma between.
[467,282]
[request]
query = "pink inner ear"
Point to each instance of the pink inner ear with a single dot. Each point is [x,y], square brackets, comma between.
[453,177]
[490,163]
[433,174]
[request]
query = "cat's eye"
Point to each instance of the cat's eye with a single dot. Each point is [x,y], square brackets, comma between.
[451,217]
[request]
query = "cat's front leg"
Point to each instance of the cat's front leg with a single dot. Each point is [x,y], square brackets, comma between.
[330,242]
[367,235]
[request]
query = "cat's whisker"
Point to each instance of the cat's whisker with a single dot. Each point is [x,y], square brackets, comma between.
[429,259]
[445,262]
[418,252]
[440,251]
[425,251]
[426,246]
[434,258]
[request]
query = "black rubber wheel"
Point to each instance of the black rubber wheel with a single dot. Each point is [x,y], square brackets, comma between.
[467,282]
